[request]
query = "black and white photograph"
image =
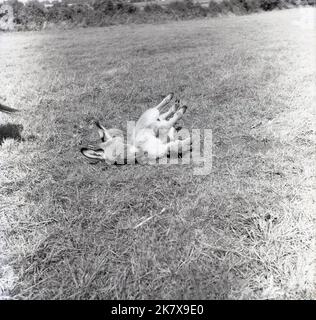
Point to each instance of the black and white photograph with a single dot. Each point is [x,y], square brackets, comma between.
[158,150]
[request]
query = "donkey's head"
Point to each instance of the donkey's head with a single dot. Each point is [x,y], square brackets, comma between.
[112,148]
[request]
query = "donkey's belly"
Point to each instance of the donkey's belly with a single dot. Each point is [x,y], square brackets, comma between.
[153,147]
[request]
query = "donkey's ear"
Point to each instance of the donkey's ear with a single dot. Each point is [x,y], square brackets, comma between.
[6,109]
[103,132]
[93,154]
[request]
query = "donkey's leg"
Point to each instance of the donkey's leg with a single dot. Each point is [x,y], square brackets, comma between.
[165,101]
[178,115]
[166,124]
[171,111]
[172,134]
[175,145]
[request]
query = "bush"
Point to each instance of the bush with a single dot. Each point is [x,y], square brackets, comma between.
[196,8]
[33,15]
[125,7]
[268,5]
[186,8]
[252,5]
[6,18]
[153,8]
[17,7]
[104,6]
[178,6]
[110,7]
[234,6]
[60,12]
[190,4]
[214,8]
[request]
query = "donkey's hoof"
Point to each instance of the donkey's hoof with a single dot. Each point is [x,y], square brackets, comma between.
[170,95]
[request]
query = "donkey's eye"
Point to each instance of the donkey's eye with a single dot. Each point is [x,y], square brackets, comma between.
[158,119]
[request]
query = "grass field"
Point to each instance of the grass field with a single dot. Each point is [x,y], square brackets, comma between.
[245,231]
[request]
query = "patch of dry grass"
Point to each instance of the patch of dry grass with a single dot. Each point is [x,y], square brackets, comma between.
[246,231]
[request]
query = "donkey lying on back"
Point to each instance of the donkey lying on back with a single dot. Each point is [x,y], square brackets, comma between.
[152,138]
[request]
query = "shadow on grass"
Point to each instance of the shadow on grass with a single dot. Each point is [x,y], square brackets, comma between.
[10,130]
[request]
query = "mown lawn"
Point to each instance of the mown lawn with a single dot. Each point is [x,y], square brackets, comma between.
[245,231]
